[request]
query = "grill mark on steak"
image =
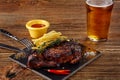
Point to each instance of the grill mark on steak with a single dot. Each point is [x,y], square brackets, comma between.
[66,52]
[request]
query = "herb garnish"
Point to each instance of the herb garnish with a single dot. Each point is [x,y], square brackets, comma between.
[49,44]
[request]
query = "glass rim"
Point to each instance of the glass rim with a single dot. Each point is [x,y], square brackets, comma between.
[96,5]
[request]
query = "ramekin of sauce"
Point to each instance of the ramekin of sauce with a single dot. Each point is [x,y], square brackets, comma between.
[37,28]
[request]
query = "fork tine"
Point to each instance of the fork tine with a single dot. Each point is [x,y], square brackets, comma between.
[24,43]
[27,43]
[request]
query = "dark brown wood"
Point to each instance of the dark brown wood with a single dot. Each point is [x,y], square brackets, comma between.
[68,17]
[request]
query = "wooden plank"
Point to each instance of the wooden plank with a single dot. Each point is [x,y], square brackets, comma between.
[68,17]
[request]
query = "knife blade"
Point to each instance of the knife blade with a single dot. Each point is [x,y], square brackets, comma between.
[5,46]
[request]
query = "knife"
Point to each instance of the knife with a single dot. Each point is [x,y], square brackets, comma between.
[25,50]
[8,34]
[5,46]
[28,44]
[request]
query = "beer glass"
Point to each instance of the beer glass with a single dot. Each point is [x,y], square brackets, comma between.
[98,19]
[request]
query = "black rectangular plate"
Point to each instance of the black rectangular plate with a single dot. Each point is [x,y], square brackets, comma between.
[49,76]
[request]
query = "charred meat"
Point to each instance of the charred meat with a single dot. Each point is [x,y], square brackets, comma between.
[66,52]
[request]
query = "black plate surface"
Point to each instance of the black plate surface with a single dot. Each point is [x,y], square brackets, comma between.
[49,76]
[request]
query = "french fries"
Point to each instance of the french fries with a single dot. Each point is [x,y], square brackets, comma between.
[48,38]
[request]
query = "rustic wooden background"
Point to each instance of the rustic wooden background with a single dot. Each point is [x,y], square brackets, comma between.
[68,17]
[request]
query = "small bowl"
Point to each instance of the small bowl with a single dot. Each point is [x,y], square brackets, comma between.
[37,27]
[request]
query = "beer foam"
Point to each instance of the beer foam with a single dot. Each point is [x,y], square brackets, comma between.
[99,3]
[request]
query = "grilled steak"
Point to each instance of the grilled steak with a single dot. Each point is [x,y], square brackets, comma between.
[66,52]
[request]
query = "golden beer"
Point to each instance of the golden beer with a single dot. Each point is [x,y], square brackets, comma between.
[98,19]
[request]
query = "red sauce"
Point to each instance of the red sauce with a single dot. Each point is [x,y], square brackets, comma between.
[37,25]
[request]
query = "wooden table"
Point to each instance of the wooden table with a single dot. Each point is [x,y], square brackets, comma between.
[68,17]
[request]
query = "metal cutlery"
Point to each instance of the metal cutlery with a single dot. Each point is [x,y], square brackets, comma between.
[23,41]
[25,50]
[10,47]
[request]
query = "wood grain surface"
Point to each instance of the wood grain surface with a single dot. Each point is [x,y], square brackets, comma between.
[68,17]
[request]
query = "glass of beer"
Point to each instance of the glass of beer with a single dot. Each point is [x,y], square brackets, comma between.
[98,19]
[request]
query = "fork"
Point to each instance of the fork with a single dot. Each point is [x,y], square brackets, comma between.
[28,44]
